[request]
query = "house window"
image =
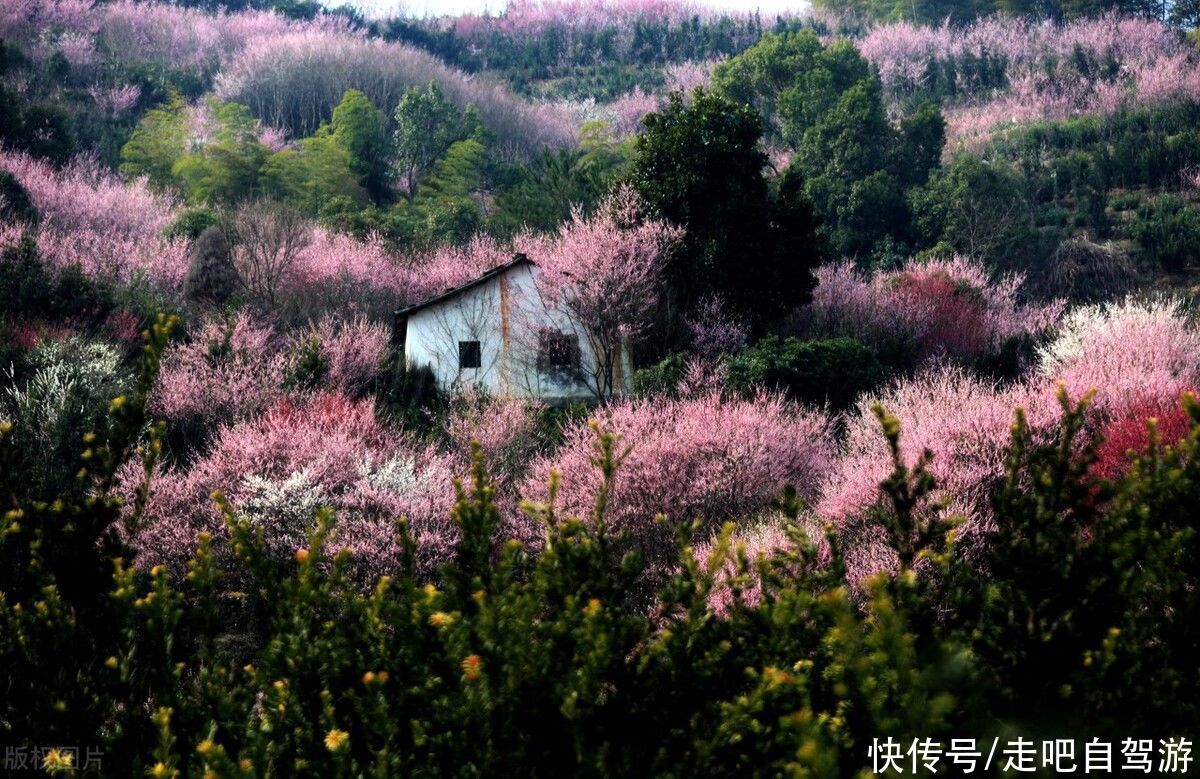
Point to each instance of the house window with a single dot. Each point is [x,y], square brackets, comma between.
[469,355]
[558,351]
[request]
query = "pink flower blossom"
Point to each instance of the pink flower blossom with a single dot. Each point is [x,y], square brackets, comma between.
[965,422]
[941,308]
[1130,352]
[505,429]
[115,100]
[229,370]
[352,351]
[703,457]
[90,218]
[1040,78]
[279,468]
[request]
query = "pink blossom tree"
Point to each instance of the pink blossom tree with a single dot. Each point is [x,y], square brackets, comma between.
[279,468]
[604,272]
[941,308]
[229,370]
[704,457]
[965,424]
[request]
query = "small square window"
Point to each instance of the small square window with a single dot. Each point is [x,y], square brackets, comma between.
[558,351]
[469,355]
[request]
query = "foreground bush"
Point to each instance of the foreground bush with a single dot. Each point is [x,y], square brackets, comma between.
[516,665]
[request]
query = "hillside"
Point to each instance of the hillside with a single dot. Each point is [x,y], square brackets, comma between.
[603,387]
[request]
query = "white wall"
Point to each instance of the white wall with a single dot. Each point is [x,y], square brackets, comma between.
[504,315]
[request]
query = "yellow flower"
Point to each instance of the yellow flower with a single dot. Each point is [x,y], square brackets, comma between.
[205,746]
[471,665]
[160,771]
[592,608]
[440,619]
[58,760]
[336,740]
[301,555]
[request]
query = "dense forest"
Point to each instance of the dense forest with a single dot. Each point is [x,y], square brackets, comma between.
[895,304]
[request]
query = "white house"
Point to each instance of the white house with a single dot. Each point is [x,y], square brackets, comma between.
[495,333]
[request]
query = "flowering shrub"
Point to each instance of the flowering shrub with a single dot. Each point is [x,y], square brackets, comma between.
[504,428]
[323,451]
[93,220]
[547,665]
[355,352]
[69,381]
[605,272]
[703,457]
[229,370]
[942,308]
[715,330]
[1127,432]
[1130,352]
[963,421]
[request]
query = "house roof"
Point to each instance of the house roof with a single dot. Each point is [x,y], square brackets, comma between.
[499,270]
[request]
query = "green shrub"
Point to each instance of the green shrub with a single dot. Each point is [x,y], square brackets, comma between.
[15,205]
[833,370]
[191,222]
[1168,232]
[661,378]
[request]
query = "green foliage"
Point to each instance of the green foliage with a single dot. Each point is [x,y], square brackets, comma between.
[157,143]
[62,397]
[699,165]
[361,129]
[226,169]
[974,207]
[212,278]
[834,371]
[42,129]
[1167,230]
[545,190]
[310,177]
[662,378]
[191,222]
[409,394]
[427,125]
[29,290]
[444,210]
[15,205]
[826,104]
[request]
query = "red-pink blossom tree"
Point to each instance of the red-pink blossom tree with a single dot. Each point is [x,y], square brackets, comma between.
[941,308]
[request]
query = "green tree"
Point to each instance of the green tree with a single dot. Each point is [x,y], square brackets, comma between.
[361,129]
[973,207]
[844,157]
[157,143]
[546,189]
[444,210]
[427,124]
[309,177]
[699,165]
[225,170]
